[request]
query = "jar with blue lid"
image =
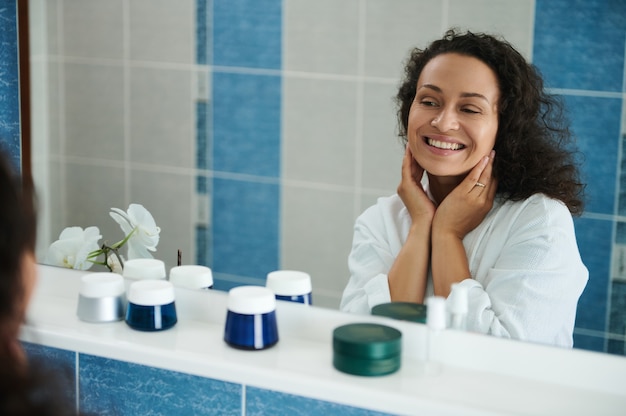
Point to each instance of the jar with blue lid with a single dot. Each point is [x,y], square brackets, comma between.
[151,305]
[251,318]
[291,285]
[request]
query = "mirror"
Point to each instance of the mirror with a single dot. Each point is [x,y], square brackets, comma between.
[256,135]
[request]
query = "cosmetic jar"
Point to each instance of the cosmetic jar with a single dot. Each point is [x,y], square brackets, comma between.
[101,297]
[142,269]
[251,318]
[192,277]
[367,349]
[404,311]
[290,285]
[151,305]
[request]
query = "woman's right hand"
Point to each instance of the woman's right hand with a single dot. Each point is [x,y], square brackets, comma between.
[411,191]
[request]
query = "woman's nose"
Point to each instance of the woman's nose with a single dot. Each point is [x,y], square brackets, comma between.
[445,120]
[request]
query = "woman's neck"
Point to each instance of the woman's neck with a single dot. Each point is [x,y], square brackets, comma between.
[441,186]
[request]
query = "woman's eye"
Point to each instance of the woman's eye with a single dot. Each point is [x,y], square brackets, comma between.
[470,110]
[428,103]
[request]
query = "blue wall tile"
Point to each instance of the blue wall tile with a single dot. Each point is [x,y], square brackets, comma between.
[246,120]
[596,124]
[202,32]
[266,402]
[247,33]
[579,44]
[245,227]
[617,317]
[594,240]
[9,82]
[61,363]
[111,387]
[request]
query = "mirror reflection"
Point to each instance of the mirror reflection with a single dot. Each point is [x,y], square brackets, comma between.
[255,134]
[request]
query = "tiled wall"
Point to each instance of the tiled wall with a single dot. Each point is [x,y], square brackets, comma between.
[112,387]
[9,85]
[257,131]
[585,63]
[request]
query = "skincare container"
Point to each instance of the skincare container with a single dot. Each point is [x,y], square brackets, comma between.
[251,318]
[151,305]
[436,322]
[405,311]
[192,277]
[144,269]
[457,307]
[101,298]
[367,349]
[290,285]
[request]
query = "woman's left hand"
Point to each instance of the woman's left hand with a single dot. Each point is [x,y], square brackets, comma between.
[468,204]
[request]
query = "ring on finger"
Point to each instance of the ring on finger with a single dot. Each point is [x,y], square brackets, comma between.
[480,184]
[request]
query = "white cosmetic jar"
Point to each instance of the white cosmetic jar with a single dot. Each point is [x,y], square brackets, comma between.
[101,297]
[144,269]
[290,285]
[192,277]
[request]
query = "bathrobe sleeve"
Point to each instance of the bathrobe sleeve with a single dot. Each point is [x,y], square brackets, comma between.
[527,273]
[378,237]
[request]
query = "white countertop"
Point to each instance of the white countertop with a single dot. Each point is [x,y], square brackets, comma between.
[476,374]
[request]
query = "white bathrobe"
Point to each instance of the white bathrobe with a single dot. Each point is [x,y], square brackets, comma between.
[526,270]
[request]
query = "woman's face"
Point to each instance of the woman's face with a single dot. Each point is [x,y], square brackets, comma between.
[453,119]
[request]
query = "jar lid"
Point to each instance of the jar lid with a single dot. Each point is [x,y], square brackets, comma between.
[251,300]
[144,269]
[191,276]
[151,292]
[367,349]
[406,311]
[289,282]
[101,285]
[367,340]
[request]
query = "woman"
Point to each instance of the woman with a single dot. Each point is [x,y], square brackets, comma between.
[488,189]
[25,389]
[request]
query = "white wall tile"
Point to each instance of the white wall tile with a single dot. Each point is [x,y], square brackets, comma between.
[316,237]
[167,196]
[319,122]
[162,117]
[91,192]
[162,30]
[321,36]
[93,28]
[94,111]
[513,19]
[393,28]
[382,149]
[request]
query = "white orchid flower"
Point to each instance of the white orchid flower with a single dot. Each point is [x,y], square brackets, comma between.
[145,233]
[73,247]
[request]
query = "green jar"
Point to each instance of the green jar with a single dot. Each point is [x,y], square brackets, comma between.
[367,349]
[405,311]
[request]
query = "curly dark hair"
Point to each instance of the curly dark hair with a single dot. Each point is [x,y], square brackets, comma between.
[535,150]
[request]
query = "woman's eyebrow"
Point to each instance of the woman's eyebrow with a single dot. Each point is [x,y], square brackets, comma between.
[464,94]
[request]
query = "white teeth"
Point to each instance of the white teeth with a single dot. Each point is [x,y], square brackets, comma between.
[444,145]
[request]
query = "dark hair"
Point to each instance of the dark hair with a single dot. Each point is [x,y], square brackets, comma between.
[534,147]
[17,236]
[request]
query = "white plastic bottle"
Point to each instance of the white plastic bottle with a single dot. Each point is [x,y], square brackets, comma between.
[457,307]
[436,322]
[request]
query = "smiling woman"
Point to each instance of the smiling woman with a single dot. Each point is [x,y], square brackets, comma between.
[467,102]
